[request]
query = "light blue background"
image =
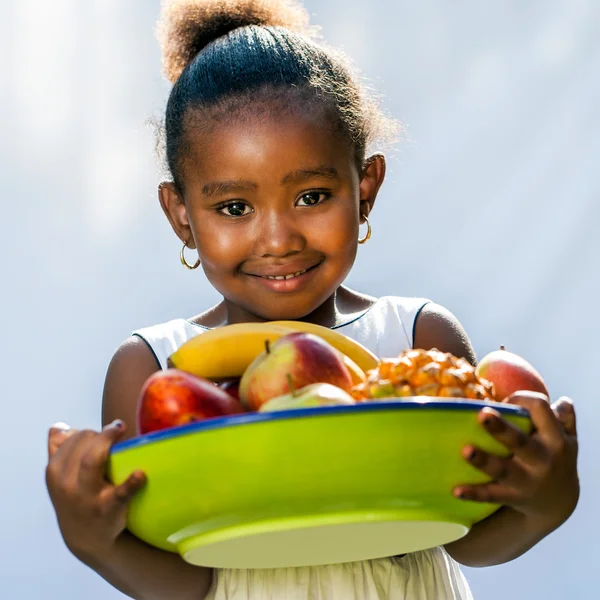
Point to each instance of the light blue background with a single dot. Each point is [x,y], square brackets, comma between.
[491,208]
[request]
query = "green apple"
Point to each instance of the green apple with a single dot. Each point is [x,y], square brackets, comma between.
[315,394]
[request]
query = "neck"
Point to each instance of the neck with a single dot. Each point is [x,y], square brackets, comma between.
[327,314]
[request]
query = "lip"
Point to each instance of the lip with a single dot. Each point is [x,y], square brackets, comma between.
[286,285]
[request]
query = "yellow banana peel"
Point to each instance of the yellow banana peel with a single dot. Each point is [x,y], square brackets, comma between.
[226,352]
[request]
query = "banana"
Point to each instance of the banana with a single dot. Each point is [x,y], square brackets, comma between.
[363,357]
[225,352]
[357,374]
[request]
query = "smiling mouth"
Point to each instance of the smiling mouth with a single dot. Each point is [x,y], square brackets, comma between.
[291,276]
[286,277]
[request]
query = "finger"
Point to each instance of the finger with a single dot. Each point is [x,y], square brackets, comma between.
[494,493]
[542,417]
[113,431]
[122,494]
[526,447]
[93,461]
[70,448]
[565,412]
[57,435]
[501,470]
[73,451]
[63,466]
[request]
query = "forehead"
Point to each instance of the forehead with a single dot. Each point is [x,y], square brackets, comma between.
[261,145]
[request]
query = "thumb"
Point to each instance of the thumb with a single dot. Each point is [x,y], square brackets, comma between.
[565,412]
[57,435]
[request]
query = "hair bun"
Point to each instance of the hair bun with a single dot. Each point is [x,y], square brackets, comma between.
[187,26]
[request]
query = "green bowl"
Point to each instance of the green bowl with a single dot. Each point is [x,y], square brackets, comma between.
[310,486]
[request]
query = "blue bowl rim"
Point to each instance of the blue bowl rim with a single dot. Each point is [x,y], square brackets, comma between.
[392,404]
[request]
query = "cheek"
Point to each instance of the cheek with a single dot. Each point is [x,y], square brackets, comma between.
[336,229]
[219,245]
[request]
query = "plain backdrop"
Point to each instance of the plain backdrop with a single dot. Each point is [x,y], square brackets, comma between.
[491,208]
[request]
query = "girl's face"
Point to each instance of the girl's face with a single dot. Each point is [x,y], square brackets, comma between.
[273,208]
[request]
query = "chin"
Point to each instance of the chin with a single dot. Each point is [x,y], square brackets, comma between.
[283,313]
[288,309]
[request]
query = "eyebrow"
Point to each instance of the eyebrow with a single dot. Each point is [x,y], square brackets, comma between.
[219,188]
[306,174]
[216,188]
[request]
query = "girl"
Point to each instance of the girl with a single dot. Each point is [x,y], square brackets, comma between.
[266,135]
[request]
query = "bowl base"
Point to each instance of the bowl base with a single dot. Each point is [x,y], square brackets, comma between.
[326,539]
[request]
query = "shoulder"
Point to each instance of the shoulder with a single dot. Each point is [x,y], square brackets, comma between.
[386,326]
[402,309]
[403,304]
[437,327]
[144,353]
[132,352]
[175,328]
[132,363]
[164,339]
[400,306]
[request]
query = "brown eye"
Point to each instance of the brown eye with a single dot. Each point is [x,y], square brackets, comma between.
[312,198]
[235,209]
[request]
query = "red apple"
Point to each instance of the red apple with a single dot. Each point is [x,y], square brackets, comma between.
[509,373]
[172,397]
[304,357]
[232,387]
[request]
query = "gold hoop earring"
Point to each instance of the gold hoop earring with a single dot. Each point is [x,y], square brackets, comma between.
[368,234]
[185,262]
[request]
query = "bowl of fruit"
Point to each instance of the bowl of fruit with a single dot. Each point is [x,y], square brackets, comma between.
[287,444]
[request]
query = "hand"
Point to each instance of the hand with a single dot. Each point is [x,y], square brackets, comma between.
[91,512]
[540,478]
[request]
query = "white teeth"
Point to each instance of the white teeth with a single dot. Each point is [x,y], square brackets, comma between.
[285,276]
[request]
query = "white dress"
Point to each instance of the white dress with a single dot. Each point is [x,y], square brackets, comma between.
[386,329]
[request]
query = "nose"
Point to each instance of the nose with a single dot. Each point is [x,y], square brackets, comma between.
[278,234]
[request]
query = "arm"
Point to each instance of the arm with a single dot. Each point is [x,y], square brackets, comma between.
[92,513]
[502,537]
[146,573]
[542,464]
[134,565]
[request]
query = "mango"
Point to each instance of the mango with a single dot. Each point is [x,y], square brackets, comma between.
[509,373]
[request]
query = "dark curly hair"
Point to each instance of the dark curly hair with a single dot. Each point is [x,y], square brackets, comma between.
[231,57]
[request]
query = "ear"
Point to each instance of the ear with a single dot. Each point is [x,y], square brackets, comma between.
[372,177]
[173,206]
